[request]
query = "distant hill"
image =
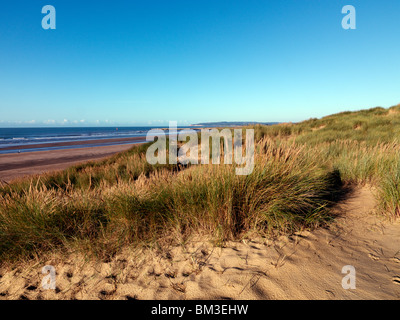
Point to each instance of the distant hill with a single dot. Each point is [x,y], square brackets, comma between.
[231,123]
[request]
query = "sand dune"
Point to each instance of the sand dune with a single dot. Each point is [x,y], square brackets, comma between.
[304,266]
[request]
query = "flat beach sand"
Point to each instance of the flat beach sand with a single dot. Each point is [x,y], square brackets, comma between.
[18,165]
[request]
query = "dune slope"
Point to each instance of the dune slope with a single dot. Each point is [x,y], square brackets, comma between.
[307,265]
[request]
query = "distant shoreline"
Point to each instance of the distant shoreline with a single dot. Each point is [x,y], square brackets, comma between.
[75,144]
[19,165]
[232,124]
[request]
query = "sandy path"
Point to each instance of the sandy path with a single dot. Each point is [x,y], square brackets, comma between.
[304,266]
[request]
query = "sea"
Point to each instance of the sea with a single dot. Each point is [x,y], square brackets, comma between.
[43,138]
[29,138]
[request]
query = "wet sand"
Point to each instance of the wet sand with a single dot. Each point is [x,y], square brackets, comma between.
[98,142]
[18,165]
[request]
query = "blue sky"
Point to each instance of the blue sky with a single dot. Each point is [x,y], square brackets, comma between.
[147,62]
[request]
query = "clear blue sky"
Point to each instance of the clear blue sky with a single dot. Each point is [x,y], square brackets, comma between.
[147,62]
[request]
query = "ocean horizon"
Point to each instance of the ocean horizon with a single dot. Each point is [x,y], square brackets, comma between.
[25,137]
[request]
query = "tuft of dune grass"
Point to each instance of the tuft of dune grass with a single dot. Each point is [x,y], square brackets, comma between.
[389,192]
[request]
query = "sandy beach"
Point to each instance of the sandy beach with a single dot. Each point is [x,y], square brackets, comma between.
[99,142]
[18,165]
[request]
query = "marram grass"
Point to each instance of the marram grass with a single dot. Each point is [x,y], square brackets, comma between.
[289,189]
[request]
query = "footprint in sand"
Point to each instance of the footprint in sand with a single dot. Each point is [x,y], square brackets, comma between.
[395,259]
[373,257]
[396,280]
